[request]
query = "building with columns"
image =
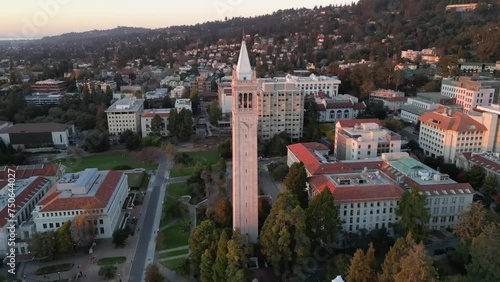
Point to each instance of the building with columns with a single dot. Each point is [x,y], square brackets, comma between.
[245,118]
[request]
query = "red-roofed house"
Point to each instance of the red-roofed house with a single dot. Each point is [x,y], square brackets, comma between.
[100,193]
[148,115]
[28,192]
[447,133]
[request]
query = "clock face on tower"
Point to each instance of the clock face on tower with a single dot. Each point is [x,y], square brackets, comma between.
[247,123]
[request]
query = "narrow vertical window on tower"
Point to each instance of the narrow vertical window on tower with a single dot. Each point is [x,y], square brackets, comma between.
[240,100]
[245,105]
[250,100]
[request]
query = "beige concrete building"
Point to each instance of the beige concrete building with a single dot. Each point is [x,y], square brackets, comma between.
[281,109]
[125,114]
[393,100]
[245,120]
[447,133]
[468,92]
[314,85]
[147,117]
[360,139]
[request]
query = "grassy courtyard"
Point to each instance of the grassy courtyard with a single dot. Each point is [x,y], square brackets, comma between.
[107,161]
[176,235]
[177,190]
[205,157]
[54,268]
[173,264]
[173,253]
[111,261]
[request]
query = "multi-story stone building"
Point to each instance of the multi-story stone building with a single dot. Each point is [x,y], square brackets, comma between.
[281,109]
[393,100]
[341,107]
[363,139]
[27,193]
[447,133]
[125,114]
[147,117]
[314,85]
[469,92]
[49,86]
[97,194]
[423,103]
[367,192]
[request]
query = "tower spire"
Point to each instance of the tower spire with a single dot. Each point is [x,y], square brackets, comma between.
[243,69]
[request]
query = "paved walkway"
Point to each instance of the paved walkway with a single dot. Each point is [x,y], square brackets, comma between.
[174,249]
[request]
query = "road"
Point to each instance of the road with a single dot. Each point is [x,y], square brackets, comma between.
[269,186]
[151,204]
[408,134]
[450,242]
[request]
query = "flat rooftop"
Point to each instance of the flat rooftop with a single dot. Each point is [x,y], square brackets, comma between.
[126,105]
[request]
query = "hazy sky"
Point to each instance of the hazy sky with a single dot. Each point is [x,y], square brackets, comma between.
[37,18]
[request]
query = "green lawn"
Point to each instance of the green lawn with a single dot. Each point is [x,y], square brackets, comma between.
[174,253]
[54,268]
[172,264]
[175,236]
[205,157]
[187,171]
[105,161]
[177,189]
[111,261]
[135,179]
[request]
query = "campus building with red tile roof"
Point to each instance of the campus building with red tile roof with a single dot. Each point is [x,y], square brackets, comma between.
[100,194]
[368,191]
[27,193]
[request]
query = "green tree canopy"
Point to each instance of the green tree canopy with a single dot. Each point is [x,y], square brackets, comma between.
[490,184]
[224,213]
[295,182]
[323,220]
[64,243]
[475,175]
[484,251]
[413,214]
[153,274]
[156,125]
[283,237]
[215,113]
[220,265]
[202,237]
[207,261]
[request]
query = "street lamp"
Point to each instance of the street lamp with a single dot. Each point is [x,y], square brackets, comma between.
[59,273]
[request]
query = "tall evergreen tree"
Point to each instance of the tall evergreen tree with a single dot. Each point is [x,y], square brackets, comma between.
[220,265]
[207,261]
[295,182]
[397,252]
[156,125]
[471,222]
[413,214]
[362,266]
[203,237]
[416,266]
[323,221]
[484,251]
[283,236]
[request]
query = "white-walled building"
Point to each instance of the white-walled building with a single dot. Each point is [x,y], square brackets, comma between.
[147,117]
[364,138]
[367,192]
[177,92]
[38,135]
[447,133]
[340,107]
[393,100]
[27,193]
[101,194]
[446,199]
[225,97]
[281,109]
[183,104]
[159,93]
[423,103]
[468,92]
[125,114]
[313,85]
[110,83]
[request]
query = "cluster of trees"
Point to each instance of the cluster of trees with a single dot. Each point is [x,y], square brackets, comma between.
[9,155]
[219,254]
[180,124]
[78,233]
[153,274]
